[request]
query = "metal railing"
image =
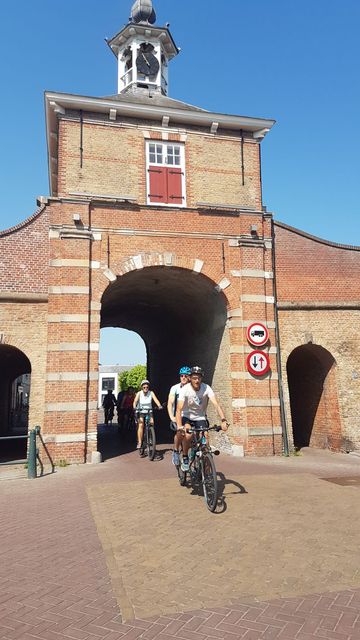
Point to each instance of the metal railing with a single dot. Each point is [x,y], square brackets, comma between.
[32,454]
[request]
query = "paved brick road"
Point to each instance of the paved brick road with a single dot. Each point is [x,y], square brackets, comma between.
[98,553]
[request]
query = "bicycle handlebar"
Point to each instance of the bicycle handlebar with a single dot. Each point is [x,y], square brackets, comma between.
[216,427]
[147,411]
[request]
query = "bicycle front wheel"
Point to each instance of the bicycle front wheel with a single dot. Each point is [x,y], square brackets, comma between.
[181,474]
[142,449]
[209,481]
[151,443]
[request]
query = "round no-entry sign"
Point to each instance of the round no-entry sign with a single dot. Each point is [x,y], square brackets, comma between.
[258,363]
[257,334]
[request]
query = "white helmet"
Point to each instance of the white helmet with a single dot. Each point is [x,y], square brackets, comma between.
[144,382]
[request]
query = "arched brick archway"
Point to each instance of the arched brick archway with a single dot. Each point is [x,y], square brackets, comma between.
[311,372]
[13,406]
[180,315]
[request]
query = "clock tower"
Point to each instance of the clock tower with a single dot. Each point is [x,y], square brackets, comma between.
[143,51]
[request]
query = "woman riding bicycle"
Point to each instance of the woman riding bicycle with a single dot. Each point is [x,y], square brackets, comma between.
[143,405]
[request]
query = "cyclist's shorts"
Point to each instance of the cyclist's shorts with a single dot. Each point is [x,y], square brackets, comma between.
[144,412]
[204,424]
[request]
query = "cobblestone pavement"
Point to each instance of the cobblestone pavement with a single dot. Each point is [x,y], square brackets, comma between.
[120,550]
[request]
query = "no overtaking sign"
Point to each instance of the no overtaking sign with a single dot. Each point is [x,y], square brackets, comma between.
[258,363]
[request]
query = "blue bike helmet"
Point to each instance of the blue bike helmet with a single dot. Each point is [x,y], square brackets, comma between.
[184,371]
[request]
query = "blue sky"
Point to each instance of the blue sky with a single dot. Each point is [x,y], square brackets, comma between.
[296,62]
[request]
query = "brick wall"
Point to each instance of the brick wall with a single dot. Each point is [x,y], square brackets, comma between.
[318,296]
[23,308]
[191,254]
[24,326]
[24,255]
[195,250]
[114,162]
[309,269]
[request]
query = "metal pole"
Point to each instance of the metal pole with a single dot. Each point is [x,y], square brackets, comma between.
[285,435]
[32,454]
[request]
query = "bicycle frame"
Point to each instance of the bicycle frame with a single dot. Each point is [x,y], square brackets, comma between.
[202,467]
[148,439]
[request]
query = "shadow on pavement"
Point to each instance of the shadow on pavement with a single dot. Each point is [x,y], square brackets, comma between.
[223,491]
[114,441]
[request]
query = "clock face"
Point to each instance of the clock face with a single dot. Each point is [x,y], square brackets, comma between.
[147,63]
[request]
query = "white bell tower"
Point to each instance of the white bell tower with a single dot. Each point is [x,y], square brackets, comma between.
[143,51]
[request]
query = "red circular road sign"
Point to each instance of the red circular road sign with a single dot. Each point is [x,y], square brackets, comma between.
[258,363]
[257,334]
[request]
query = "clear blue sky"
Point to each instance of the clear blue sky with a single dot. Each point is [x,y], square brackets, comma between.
[297,62]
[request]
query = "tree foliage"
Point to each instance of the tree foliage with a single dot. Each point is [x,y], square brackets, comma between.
[132,377]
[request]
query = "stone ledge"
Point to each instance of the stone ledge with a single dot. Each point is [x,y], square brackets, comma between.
[17,296]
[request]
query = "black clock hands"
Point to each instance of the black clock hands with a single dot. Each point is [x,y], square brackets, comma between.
[146,60]
[147,63]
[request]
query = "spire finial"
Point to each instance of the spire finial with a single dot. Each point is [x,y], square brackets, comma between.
[143,11]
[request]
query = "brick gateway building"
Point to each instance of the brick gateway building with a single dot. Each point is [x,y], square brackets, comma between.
[155,223]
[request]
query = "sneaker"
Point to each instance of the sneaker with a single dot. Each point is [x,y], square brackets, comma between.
[185,464]
[138,446]
[175,458]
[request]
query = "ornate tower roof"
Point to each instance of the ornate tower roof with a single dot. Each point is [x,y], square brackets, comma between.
[143,51]
[143,11]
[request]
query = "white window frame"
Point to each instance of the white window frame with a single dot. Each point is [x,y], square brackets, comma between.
[181,166]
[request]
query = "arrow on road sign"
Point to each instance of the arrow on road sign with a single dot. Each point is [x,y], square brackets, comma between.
[258,363]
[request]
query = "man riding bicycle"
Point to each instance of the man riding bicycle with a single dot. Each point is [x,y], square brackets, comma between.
[191,410]
[173,398]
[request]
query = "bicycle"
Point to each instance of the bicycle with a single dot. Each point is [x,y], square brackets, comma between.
[108,415]
[202,466]
[148,444]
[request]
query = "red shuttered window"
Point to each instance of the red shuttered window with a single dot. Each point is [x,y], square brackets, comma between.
[166,174]
[158,184]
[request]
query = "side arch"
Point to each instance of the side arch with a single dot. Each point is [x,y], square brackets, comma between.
[311,373]
[15,370]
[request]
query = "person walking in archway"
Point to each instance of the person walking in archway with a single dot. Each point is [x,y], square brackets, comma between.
[108,404]
[120,413]
[173,397]
[143,404]
[127,406]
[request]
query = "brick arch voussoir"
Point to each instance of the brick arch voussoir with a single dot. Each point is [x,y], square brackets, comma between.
[21,345]
[166,259]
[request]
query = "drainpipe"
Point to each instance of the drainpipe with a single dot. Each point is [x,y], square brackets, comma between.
[88,355]
[81,139]
[242,159]
[284,428]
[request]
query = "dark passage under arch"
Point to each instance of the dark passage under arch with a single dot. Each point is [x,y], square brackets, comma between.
[313,398]
[15,373]
[180,316]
